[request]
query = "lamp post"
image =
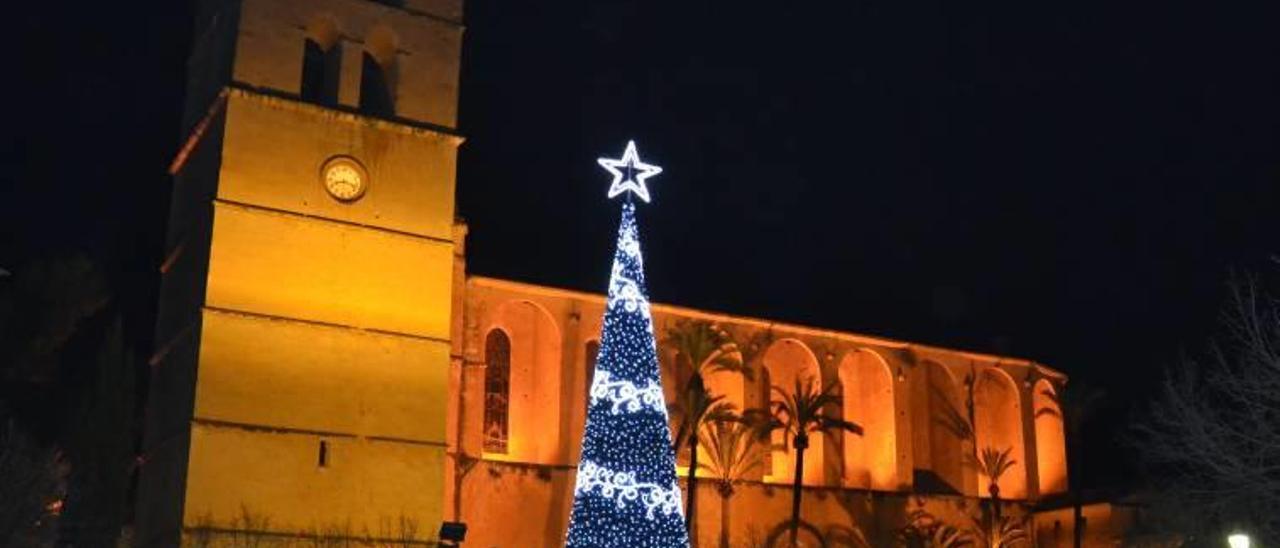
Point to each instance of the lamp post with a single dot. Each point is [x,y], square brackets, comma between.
[1239,540]
[452,533]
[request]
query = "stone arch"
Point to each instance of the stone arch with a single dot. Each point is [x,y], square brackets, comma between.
[870,460]
[788,360]
[937,446]
[1051,450]
[535,404]
[321,61]
[323,30]
[381,43]
[998,425]
[378,72]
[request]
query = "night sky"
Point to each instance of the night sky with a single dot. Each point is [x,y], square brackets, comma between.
[1070,183]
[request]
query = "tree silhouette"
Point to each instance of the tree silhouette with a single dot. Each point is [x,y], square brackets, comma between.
[803,412]
[1210,437]
[731,456]
[701,347]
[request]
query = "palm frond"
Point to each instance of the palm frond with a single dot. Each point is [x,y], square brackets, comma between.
[951,419]
[993,462]
[947,536]
[832,424]
[695,408]
[730,450]
[720,411]
[926,529]
[705,345]
[1081,400]
[808,409]
[760,422]
[1010,532]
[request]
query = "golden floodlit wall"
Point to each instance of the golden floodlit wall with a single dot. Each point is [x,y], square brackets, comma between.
[905,396]
[1051,451]
[425,40]
[869,402]
[788,362]
[996,398]
[369,278]
[300,383]
[256,369]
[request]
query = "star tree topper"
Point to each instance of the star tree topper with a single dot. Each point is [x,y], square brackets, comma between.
[629,173]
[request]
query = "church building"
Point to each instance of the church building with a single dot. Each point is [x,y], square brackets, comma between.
[326,368]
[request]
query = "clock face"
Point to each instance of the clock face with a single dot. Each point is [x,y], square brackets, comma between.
[344,178]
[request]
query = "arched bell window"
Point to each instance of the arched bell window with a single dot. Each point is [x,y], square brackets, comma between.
[378,73]
[321,62]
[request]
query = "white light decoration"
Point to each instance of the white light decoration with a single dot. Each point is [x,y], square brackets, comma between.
[622,488]
[626,396]
[626,493]
[629,173]
[1239,540]
[624,291]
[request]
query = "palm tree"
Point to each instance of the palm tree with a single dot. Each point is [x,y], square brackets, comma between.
[925,529]
[1004,532]
[701,347]
[799,414]
[993,463]
[731,456]
[991,529]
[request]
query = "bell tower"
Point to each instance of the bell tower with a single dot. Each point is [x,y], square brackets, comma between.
[299,384]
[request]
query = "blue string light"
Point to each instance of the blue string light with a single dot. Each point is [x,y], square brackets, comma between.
[626,493]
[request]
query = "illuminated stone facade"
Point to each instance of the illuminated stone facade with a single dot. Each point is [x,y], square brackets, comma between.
[858,486]
[299,385]
[326,367]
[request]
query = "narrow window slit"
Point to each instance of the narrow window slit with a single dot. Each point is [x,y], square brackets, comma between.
[322,460]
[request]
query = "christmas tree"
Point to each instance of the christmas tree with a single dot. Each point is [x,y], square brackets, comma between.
[626,493]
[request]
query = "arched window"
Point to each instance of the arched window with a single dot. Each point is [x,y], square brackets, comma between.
[377,73]
[870,459]
[789,362]
[497,391]
[998,426]
[530,386]
[375,94]
[321,62]
[590,353]
[939,424]
[1051,449]
[320,69]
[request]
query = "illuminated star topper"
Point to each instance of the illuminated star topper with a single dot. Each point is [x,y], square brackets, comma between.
[629,173]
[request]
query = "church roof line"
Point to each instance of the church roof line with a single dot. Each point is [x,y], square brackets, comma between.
[883,342]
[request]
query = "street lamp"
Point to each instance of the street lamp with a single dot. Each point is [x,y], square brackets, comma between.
[452,533]
[1239,540]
